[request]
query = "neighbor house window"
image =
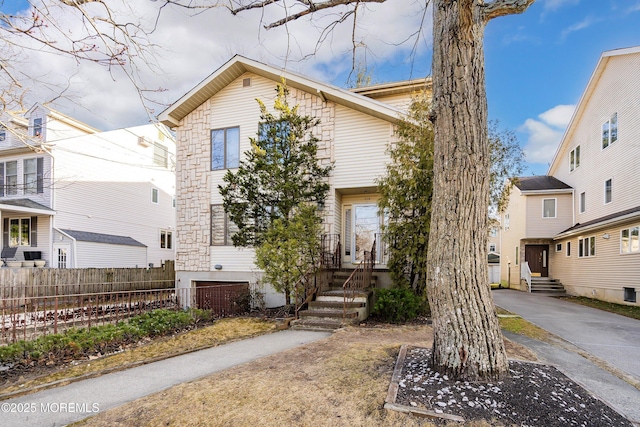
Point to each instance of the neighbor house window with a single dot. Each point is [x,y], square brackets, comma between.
[166,240]
[3,133]
[558,247]
[225,148]
[493,232]
[37,127]
[587,247]
[222,228]
[630,240]
[492,247]
[154,195]
[568,248]
[506,222]
[574,158]
[160,155]
[610,131]
[19,232]
[549,208]
[583,202]
[11,178]
[607,191]
[30,176]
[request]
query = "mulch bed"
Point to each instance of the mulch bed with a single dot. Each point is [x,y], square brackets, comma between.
[535,395]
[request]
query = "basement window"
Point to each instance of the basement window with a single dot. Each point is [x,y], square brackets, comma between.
[630,294]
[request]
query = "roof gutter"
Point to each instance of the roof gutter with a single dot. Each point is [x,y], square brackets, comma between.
[598,225]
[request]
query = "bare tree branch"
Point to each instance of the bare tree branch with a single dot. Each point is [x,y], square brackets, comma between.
[499,8]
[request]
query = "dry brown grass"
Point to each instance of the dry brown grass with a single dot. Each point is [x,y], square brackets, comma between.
[339,381]
[221,332]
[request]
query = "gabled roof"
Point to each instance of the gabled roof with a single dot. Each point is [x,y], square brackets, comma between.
[394,88]
[541,183]
[238,65]
[601,222]
[591,85]
[63,118]
[85,236]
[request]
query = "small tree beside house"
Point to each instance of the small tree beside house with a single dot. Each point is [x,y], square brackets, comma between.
[272,196]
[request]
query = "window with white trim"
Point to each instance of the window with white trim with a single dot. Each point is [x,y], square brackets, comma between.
[548,208]
[3,133]
[517,255]
[36,130]
[558,247]
[608,187]
[583,202]
[506,222]
[610,131]
[166,241]
[11,178]
[630,240]
[574,159]
[225,148]
[587,247]
[222,228]
[155,195]
[569,249]
[19,232]
[160,155]
[492,247]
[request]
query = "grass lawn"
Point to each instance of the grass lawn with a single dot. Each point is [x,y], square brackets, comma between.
[342,381]
[624,310]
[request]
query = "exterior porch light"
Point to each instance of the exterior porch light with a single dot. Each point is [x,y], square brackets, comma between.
[606,236]
[218,267]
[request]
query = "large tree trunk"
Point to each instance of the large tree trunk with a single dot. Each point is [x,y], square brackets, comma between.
[468,342]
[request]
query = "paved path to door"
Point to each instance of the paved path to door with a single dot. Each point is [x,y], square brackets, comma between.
[64,405]
[610,337]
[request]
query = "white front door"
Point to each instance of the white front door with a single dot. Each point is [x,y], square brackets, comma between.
[61,255]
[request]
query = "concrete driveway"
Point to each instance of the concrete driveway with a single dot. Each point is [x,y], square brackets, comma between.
[610,337]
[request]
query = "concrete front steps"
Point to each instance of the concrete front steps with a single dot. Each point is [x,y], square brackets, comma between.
[547,285]
[327,312]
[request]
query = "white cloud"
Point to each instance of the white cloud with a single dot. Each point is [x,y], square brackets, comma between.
[545,134]
[553,5]
[585,23]
[191,46]
[634,8]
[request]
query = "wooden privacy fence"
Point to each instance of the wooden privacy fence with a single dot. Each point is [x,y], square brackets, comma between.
[35,302]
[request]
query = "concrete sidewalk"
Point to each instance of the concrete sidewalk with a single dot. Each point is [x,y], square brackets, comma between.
[609,337]
[64,405]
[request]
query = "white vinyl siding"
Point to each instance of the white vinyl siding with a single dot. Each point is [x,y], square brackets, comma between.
[541,222]
[101,255]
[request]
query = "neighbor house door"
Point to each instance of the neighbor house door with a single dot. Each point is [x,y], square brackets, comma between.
[538,258]
[61,255]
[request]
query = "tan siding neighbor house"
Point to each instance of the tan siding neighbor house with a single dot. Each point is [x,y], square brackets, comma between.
[592,240]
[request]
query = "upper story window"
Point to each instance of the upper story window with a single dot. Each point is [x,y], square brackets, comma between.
[583,202]
[32,177]
[225,148]
[160,155]
[3,133]
[610,131]
[630,240]
[587,247]
[548,208]
[155,195]
[608,188]
[574,159]
[506,222]
[37,127]
[492,247]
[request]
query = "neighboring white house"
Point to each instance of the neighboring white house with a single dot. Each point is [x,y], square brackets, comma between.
[581,223]
[77,197]
[221,114]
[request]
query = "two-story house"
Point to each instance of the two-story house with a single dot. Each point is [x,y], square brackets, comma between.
[77,197]
[213,124]
[580,223]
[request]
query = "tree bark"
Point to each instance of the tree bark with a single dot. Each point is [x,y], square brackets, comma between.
[468,342]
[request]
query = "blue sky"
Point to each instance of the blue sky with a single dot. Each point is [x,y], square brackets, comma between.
[537,63]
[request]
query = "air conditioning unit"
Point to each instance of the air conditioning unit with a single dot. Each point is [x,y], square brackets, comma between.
[144,141]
